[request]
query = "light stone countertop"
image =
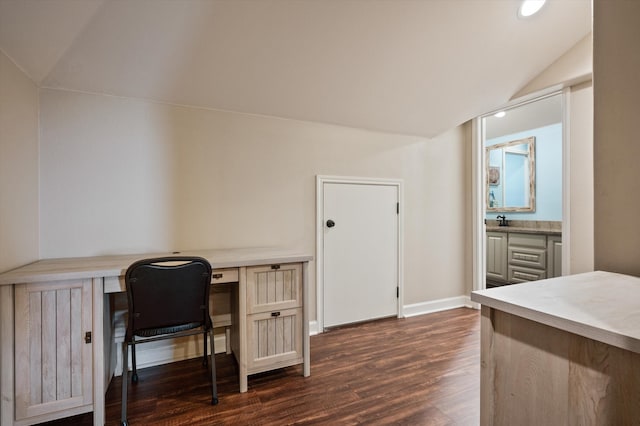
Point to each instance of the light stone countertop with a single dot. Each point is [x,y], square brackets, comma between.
[116,265]
[602,306]
[522,230]
[526,226]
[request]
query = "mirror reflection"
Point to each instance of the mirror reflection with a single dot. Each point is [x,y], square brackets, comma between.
[510,171]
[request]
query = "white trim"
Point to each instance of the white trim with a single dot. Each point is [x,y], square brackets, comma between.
[438,305]
[477,204]
[478,178]
[313,328]
[566,181]
[320,181]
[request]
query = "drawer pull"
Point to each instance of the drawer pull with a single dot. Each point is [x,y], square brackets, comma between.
[275,314]
[216,276]
[275,266]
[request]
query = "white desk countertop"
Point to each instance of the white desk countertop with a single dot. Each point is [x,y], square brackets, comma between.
[116,265]
[602,306]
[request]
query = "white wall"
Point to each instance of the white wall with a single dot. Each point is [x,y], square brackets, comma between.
[18,167]
[616,84]
[581,178]
[124,176]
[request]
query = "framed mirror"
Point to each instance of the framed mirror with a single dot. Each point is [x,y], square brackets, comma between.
[510,171]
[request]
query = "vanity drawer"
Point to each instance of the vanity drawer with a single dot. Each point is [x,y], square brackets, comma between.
[519,274]
[528,257]
[528,240]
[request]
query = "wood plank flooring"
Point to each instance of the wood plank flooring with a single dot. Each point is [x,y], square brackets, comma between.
[422,370]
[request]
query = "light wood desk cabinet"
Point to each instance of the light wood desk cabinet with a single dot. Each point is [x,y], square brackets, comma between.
[55,326]
[53,361]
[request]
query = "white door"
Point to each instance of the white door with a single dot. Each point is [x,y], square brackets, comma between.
[360,255]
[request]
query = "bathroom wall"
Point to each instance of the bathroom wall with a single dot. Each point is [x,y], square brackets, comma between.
[548,173]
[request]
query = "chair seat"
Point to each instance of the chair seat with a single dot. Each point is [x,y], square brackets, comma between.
[151,332]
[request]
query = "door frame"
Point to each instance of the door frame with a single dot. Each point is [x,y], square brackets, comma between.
[479,177]
[320,181]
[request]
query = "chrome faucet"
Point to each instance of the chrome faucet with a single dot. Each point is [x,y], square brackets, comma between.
[502,220]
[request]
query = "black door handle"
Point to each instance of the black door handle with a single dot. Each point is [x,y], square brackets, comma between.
[330,223]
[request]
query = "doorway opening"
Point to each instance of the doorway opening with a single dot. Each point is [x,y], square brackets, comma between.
[519,198]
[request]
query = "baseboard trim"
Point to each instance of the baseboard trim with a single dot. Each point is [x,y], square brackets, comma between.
[167,351]
[437,306]
[313,328]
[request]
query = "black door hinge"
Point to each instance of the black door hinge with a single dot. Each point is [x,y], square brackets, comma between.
[398,292]
[397,208]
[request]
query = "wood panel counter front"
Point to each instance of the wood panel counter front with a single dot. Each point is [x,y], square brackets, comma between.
[55,326]
[562,351]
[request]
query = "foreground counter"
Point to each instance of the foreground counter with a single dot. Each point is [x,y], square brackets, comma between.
[562,351]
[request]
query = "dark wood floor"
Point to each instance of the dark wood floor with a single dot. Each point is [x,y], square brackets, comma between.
[423,370]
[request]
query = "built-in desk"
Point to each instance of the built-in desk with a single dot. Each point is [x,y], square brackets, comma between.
[55,326]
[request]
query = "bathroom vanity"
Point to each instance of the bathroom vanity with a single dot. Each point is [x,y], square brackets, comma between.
[523,251]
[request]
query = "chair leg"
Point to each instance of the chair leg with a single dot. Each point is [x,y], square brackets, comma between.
[125,380]
[134,376]
[214,386]
[204,357]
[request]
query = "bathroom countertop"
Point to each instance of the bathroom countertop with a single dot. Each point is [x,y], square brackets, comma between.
[526,227]
[523,230]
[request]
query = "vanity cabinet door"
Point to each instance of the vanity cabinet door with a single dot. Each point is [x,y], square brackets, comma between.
[53,352]
[554,250]
[497,256]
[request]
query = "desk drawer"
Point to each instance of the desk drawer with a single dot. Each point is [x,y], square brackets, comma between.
[274,287]
[274,340]
[219,276]
[229,275]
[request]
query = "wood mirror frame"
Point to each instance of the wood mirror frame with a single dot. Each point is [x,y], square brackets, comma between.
[499,176]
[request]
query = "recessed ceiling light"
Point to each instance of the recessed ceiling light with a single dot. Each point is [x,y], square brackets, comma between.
[500,114]
[530,7]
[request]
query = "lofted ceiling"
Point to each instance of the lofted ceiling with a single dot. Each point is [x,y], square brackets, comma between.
[416,67]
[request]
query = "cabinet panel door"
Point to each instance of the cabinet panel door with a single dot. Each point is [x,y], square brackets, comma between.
[554,248]
[53,363]
[274,287]
[497,256]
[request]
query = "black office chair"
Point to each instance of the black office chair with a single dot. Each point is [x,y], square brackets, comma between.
[168,297]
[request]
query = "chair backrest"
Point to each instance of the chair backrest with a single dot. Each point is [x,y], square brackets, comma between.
[167,292]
